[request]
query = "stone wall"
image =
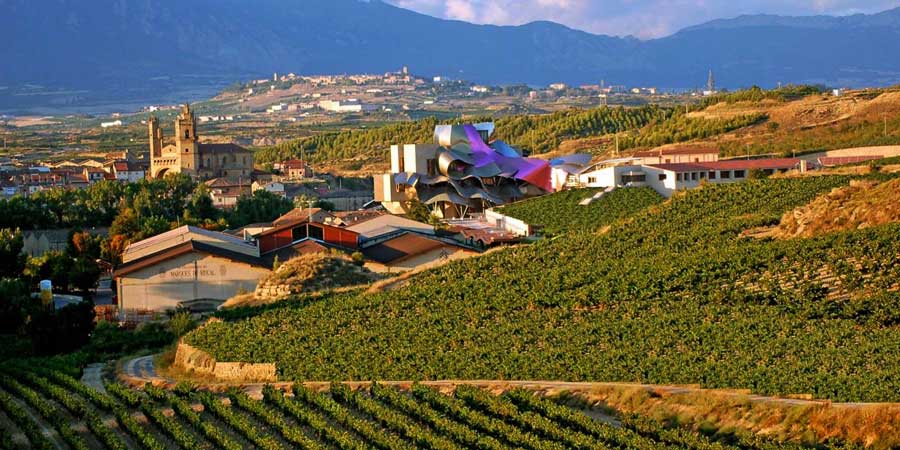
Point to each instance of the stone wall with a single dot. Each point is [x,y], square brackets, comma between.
[199,362]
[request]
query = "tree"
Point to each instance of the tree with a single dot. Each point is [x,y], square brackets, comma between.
[126,223]
[12,260]
[62,331]
[418,211]
[113,248]
[56,267]
[262,206]
[201,206]
[85,274]
[84,244]
[15,305]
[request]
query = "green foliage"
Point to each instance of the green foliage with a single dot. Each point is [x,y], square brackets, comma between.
[533,133]
[349,144]
[418,211]
[544,133]
[682,128]
[756,94]
[108,339]
[676,282]
[12,261]
[61,331]
[16,306]
[182,323]
[560,212]
[262,206]
[374,418]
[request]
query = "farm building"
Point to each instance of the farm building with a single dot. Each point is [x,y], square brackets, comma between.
[186,267]
[669,178]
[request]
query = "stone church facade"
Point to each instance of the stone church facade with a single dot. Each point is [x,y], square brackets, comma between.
[187,155]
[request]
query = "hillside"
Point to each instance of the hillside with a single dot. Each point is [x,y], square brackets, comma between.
[791,120]
[863,204]
[305,274]
[180,46]
[858,119]
[668,296]
[562,212]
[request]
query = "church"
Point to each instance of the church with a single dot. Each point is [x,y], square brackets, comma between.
[187,155]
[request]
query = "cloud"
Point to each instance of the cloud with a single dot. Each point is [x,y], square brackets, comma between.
[641,18]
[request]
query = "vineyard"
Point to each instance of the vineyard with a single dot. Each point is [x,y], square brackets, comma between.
[561,212]
[48,408]
[672,295]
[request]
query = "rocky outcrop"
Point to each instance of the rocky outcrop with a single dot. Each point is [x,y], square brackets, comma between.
[194,360]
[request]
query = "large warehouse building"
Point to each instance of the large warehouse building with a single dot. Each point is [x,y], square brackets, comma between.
[186,267]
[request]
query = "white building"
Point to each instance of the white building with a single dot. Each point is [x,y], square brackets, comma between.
[115,123]
[670,178]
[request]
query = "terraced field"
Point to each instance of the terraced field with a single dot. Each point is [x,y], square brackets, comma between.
[48,408]
[562,213]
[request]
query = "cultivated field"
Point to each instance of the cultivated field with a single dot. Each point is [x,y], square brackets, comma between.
[48,408]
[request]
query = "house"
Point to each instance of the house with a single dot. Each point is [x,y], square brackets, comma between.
[94,174]
[295,169]
[225,192]
[274,187]
[115,123]
[126,171]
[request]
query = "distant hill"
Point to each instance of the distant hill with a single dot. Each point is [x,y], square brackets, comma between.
[126,44]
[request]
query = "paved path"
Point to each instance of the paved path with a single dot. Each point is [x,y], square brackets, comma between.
[93,376]
[141,370]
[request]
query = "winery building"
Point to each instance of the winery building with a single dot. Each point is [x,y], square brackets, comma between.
[187,267]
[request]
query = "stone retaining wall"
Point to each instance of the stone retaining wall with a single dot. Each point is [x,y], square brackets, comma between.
[197,361]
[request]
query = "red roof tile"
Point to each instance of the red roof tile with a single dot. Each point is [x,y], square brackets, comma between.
[840,160]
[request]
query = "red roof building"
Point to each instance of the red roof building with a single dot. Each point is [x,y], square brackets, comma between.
[677,155]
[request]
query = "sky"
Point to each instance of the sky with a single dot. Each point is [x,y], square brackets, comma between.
[644,19]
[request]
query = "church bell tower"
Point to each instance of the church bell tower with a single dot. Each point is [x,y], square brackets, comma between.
[186,140]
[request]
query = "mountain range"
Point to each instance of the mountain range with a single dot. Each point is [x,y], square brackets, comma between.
[129,44]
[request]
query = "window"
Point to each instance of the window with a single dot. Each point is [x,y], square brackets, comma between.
[702,175]
[662,177]
[187,134]
[726,174]
[696,160]
[298,233]
[634,178]
[316,233]
[432,165]
[678,177]
[693,176]
[592,180]
[668,161]
[740,174]
[712,175]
